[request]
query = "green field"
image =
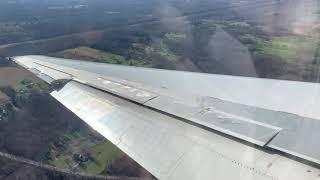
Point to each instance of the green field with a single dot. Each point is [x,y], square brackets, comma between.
[26,86]
[289,48]
[149,53]
[100,153]
[103,154]
[60,162]
[90,54]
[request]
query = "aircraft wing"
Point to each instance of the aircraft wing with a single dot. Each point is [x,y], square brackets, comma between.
[183,125]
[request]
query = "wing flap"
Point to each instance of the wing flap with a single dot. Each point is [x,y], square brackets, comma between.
[236,126]
[299,135]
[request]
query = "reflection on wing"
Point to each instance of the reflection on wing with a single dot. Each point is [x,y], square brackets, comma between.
[189,132]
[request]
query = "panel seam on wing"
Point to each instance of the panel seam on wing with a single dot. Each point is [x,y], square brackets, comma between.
[236,162]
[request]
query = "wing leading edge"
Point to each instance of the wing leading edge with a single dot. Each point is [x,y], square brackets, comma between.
[170,148]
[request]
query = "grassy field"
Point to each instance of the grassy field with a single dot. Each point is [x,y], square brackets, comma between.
[90,54]
[103,154]
[61,162]
[290,57]
[289,48]
[100,154]
[27,85]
